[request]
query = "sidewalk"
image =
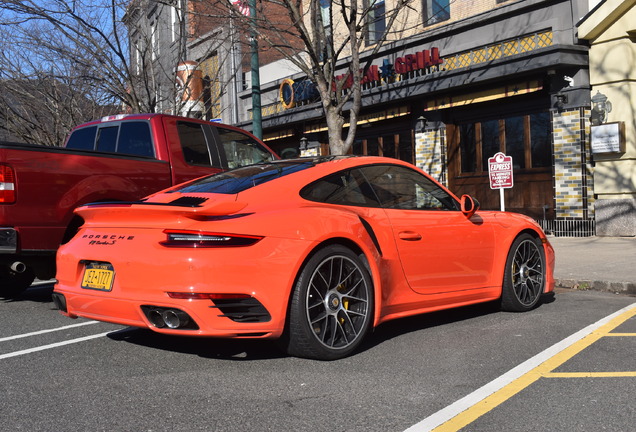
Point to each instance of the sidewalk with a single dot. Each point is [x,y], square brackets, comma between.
[599,263]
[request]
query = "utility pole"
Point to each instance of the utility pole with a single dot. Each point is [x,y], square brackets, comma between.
[257,127]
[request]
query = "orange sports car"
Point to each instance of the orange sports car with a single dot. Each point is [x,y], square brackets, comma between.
[313,251]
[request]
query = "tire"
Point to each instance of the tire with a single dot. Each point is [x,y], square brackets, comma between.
[12,284]
[524,275]
[331,309]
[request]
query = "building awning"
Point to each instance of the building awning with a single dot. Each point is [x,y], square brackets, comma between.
[517,89]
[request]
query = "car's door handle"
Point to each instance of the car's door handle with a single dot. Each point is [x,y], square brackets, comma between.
[409,236]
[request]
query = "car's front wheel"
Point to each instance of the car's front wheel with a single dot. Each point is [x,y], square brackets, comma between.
[524,276]
[331,308]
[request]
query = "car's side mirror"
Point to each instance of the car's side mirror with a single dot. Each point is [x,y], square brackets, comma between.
[469,205]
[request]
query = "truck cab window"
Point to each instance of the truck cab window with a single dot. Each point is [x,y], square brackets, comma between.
[241,150]
[107,139]
[135,139]
[194,144]
[82,139]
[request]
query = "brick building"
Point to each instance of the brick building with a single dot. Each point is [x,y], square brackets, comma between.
[472,79]
[513,77]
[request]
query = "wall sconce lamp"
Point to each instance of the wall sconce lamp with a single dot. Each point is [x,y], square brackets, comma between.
[420,124]
[561,100]
[601,106]
[304,142]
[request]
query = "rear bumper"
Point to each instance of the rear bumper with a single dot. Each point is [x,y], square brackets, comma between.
[207,318]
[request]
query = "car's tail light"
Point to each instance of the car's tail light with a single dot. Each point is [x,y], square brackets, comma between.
[7,185]
[199,239]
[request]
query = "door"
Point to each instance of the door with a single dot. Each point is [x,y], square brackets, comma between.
[440,249]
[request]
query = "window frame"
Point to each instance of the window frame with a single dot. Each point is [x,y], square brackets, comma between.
[373,198]
[431,16]
[373,36]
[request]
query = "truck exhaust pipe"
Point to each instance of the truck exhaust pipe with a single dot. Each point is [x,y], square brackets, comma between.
[18,267]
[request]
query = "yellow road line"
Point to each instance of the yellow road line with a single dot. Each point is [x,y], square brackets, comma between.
[497,398]
[589,375]
[467,409]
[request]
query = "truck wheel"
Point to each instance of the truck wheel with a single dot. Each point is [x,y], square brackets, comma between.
[12,284]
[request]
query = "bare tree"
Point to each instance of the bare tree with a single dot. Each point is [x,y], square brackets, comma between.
[333,43]
[66,62]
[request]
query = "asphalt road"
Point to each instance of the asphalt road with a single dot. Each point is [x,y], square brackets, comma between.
[78,375]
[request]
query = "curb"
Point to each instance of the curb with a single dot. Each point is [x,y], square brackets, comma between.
[605,286]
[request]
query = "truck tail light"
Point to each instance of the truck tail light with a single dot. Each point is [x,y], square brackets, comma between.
[200,239]
[7,185]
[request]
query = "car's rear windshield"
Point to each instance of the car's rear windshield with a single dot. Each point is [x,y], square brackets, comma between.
[241,179]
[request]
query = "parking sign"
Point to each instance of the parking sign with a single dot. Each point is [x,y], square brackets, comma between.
[500,171]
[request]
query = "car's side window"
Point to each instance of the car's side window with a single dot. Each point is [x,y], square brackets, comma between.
[193,142]
[241,149]
[345,188]
[399,187]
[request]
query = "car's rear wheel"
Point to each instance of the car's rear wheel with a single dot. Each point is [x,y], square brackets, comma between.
[331,308]
[524,276]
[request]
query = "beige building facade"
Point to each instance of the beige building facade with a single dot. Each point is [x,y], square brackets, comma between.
[610,29]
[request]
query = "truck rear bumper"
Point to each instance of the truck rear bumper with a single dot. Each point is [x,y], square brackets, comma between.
[8,240]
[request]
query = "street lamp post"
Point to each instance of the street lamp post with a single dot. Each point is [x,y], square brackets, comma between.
[257,128]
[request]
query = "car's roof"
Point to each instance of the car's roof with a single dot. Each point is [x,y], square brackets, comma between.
[298,172]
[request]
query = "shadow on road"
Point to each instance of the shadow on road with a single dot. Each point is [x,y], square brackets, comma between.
[262,349]
[40,293]
[214,348]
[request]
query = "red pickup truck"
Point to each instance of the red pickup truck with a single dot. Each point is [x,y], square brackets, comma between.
[118,158]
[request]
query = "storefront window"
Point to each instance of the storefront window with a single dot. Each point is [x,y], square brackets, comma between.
[406,147]
[515,141]
[468,147]
[388,145]
[540,139]
[373,147]
[398,145]
[490,143]
[526,138]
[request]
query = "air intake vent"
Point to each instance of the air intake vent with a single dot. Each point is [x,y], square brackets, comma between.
[245,310]
[187,201]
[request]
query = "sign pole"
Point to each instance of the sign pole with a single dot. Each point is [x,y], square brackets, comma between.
[501,199]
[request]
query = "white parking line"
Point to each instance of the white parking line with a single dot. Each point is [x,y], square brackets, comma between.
[445,414]
[4,339]
[53,345]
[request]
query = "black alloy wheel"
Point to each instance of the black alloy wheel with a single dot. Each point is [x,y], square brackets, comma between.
[524,275]
[331,309]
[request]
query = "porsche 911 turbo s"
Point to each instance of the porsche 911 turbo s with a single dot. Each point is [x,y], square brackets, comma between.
[315,252]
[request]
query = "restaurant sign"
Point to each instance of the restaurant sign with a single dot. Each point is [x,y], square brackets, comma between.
[292,93]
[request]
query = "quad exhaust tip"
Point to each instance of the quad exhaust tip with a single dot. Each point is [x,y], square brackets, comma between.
[168,318]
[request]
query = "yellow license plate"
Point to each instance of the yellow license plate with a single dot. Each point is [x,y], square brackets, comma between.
[98,276]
